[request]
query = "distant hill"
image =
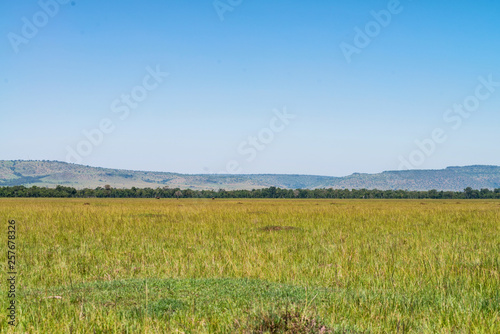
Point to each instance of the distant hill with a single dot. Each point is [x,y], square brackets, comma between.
[53,173]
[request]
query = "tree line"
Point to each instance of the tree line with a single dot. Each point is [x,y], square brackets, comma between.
[271,192]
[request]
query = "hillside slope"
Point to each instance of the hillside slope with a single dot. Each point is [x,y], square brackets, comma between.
[53,173]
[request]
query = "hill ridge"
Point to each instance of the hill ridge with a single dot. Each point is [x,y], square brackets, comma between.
[52,173]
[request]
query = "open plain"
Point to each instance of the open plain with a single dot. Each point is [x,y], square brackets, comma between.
[255,266]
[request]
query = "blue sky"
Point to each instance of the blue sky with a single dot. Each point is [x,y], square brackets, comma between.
[228,79]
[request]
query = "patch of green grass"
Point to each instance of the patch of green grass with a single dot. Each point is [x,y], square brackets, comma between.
[213,305]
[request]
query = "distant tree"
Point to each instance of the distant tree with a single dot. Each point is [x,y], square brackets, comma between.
[178,194]
[485,193]
[189,193]
[433,193]
[107,190]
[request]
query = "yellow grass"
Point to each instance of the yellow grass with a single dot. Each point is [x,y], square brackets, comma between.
[209,266]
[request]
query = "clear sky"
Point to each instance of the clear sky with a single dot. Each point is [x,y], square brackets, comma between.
[355,84]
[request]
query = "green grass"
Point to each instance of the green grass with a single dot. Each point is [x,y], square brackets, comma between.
[243,266]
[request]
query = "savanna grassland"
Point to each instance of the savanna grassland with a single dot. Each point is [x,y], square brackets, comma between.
[254,266]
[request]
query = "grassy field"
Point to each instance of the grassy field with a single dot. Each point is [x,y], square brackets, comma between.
[254,266]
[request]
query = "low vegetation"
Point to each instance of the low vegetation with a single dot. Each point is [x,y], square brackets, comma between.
[271,192]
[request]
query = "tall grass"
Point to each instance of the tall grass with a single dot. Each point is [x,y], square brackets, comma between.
[224,266]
